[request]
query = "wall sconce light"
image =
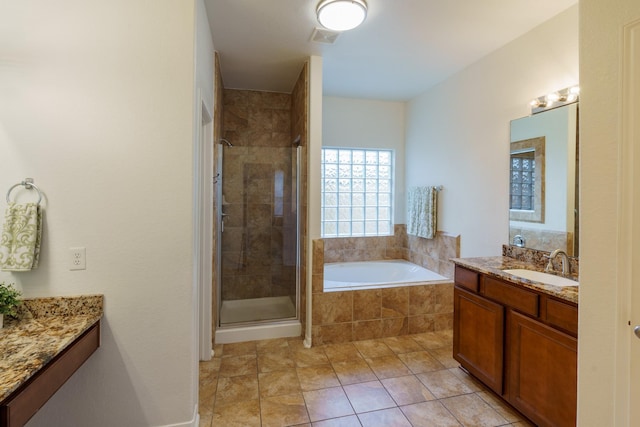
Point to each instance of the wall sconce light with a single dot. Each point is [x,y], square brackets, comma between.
[341,15]
[555,99]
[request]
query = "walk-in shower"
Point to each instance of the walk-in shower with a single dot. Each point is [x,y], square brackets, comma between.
[259,247]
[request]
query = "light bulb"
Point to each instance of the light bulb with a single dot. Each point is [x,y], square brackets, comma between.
[552,97]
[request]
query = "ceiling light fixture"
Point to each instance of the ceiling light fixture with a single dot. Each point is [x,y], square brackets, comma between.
[341,15]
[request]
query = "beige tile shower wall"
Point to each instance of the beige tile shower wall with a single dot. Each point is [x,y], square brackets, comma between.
[258,259]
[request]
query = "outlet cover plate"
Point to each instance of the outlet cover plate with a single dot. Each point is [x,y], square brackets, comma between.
[77,258]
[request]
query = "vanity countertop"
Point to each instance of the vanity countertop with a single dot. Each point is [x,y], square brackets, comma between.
[43,329]
[494,266]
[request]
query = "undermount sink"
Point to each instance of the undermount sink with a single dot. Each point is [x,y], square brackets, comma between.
[546,278]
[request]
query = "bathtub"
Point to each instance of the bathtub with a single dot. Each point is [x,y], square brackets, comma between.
[342,276]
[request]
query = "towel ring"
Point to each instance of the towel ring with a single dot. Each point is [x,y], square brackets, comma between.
[28,184]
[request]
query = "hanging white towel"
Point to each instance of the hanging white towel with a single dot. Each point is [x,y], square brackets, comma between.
[422,209]
[21,237]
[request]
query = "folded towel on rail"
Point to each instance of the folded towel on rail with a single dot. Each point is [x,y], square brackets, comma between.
[421,212]
[21,237]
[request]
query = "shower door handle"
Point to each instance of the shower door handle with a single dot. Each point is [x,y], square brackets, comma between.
[222,217]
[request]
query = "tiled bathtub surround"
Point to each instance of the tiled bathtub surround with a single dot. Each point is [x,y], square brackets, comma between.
[433,254]
[538,258]
[378,313]
[339,317]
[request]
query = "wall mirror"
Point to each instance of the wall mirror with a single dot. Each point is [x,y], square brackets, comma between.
[543,205]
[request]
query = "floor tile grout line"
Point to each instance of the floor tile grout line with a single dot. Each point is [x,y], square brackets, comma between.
[306,406]
[399,351]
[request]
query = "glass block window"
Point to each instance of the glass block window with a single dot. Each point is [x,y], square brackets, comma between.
[523,179]
[357,192]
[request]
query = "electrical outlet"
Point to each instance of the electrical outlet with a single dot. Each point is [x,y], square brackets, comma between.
[77,259]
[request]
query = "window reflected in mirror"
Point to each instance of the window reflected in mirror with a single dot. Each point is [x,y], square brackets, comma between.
[523,188]
[527,180]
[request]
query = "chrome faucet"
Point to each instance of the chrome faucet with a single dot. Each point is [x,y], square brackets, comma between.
[518,240]
[566,268]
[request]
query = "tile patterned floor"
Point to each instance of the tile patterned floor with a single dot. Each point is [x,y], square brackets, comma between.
[402,381]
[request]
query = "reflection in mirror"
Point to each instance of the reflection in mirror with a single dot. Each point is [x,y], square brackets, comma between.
[543,181]
[527,180]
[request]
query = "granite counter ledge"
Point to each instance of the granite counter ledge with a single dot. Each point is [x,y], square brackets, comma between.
[494,266]
[44,328]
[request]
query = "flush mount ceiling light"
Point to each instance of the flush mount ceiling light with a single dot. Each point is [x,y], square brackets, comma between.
[341,15]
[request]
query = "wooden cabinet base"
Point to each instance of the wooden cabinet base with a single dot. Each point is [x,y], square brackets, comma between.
[542,371]
[521,343]
[478,337]
[23,403]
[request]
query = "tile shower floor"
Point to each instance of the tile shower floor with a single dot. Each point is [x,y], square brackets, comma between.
[401,381]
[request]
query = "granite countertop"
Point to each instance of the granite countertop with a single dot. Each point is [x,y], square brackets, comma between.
[43,328]
[493,266]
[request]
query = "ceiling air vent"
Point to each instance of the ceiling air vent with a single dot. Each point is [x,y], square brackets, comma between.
[322,35]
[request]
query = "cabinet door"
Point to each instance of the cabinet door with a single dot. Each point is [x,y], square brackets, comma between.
[478,337]
[542,371]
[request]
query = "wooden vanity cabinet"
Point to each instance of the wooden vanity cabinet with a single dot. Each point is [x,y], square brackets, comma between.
[478,338]
[521,343]
[543,365]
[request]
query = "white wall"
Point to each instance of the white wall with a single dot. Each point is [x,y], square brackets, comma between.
[97,104]
[604,344]
[457,133]
[367,123]
[204,56]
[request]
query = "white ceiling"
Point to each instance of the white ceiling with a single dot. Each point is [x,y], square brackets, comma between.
[403,48]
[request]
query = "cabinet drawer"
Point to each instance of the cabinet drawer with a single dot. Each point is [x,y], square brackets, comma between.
[512,296]
[467,279]
[562,315]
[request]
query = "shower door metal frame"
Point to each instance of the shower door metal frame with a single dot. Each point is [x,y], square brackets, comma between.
[219,177]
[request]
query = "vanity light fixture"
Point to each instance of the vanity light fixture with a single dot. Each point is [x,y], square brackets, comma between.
[555,99]
[341,15]
[538,102]
[572,96]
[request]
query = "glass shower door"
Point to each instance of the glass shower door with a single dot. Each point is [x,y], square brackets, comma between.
[259,239]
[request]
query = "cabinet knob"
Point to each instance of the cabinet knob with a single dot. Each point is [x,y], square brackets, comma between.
[636,331]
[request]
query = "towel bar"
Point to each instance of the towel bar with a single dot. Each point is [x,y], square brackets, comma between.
[28,184]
